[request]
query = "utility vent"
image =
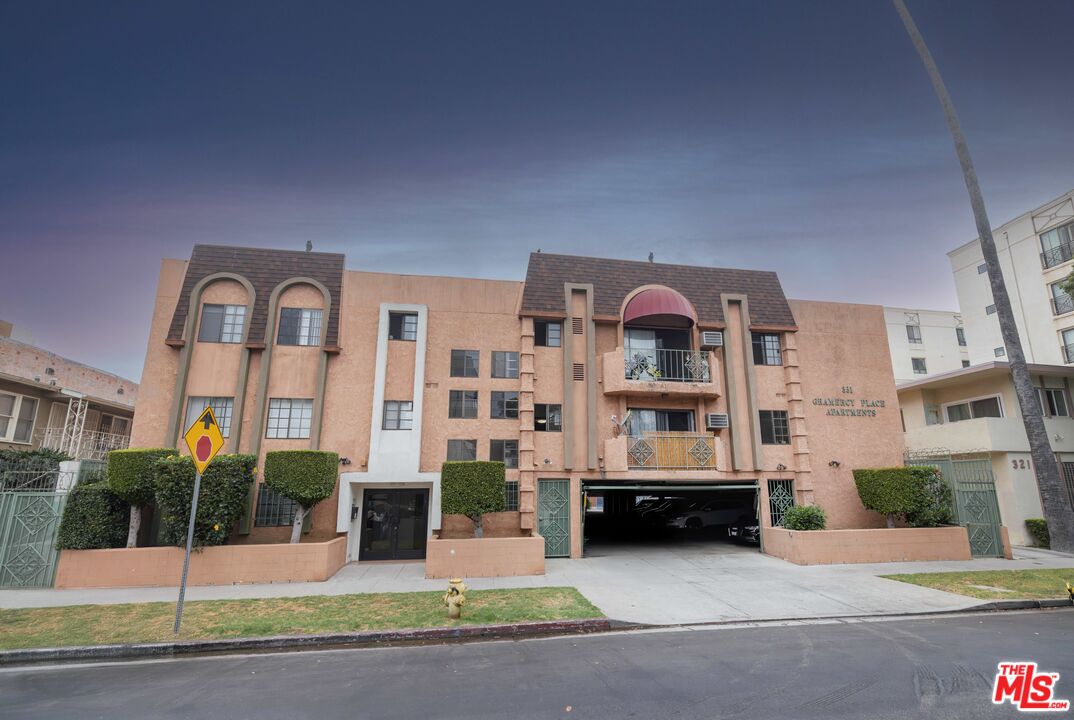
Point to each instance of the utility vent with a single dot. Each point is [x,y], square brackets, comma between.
[579,371]
[711,339]
[576,325]
[716,421]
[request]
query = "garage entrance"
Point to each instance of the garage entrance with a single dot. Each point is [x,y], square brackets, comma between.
[628,514]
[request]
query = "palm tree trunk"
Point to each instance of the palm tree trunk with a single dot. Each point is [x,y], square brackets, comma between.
[1058,511]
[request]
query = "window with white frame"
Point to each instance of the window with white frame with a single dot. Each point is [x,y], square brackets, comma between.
[222,323]
[222,408]
[970,409]
[398,415]
[17,413]
[289,418]
[299,326]
[547,333]
[1053,402]
[402,326]
[766,349]
[504,364]
[775,429]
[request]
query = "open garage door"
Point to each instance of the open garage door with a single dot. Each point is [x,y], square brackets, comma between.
[627,515]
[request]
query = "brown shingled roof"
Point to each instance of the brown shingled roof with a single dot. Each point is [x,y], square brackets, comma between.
[613,280]
[265,269]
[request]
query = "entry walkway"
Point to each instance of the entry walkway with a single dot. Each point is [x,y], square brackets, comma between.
[669,584]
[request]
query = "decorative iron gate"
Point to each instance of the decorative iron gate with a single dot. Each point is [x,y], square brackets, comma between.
[973,490]
[554,516]
[29,522]
[780,499]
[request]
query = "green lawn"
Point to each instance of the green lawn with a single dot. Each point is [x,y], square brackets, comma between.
[996,584]
[150,622]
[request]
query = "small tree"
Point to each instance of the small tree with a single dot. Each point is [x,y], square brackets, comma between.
[225,485]
[918,495]
[305,476]
[472,488]
[130,476]
[94,518]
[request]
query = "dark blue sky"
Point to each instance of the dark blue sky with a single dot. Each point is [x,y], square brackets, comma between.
[456,137]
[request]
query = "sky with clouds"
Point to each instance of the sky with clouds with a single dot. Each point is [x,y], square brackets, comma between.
[455,138]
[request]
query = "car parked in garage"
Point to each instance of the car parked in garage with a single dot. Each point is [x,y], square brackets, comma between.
[704,514]
[746,529]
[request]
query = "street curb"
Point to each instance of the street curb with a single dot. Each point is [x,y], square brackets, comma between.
[322,641]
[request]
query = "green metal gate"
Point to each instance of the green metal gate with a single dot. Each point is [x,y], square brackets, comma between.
[554,516]
[973,491]
[29,522]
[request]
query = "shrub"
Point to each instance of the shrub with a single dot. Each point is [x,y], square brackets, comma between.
[94,518]
[471,489]
[221,502]
[305,476]
[40,460]
[1038,530]
[804,517]
[130,476]
[919,495]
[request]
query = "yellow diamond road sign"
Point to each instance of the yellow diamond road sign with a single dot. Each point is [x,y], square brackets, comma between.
[204,439]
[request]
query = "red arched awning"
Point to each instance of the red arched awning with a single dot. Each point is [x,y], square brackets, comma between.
[660,306]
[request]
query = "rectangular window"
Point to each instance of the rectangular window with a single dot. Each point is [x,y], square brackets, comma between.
[774,428]
[461,450]
[960,335]
[510,496]
[402,326]
[504,405]
[547,417]
[965,363]
[1000,351]
[919,366]
[766,349]
[398,415]
[1061,302]
[289,418]
[17,413]
[982,269]
[913,334]
[990,309]
[984,407]
[1057,245]
[462,404]
[505,451]
[547,333]
[299,326]
[273,509]
[222,323]
[1053,402]
[222,408]
[464,363]
[504,364]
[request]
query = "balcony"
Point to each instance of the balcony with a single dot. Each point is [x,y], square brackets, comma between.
[87,445]
[1057,255]
[670,372]
[1062,304]
[671,451]
[1068,353]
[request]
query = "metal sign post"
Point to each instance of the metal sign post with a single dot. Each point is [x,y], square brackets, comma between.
[186,560]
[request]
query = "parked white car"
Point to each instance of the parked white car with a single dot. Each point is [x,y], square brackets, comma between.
[707,514]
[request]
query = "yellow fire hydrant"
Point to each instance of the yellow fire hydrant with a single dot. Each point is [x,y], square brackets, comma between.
[455,598]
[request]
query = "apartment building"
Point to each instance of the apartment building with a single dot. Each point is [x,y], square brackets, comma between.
[1036,251]
[599,383]
[925,342]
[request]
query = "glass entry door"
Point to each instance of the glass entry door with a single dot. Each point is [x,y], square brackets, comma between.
[394,524]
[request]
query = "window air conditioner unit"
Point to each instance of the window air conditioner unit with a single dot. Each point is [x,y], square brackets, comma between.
[717,421]
[711,339]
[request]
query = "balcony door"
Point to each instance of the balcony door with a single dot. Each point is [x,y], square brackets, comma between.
[644,421]
[660,348]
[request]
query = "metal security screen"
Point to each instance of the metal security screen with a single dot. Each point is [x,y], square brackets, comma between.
[553,516]
[510,499]
[273,509]
[780,499]
[29,522]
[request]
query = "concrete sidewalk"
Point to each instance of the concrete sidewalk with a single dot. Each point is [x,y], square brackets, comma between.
[682,583]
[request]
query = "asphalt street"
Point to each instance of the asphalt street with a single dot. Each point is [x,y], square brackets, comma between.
[909,668]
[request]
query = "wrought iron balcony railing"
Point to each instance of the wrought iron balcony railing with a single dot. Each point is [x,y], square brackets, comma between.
[673,365]
[672,451]
[1062,304]
[1057,255]
[85,446]
[1068,353]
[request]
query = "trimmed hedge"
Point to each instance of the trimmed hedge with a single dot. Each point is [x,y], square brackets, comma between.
[30,460]
[131,473]
[919,495]
[804,517]
[472,488]
[1038,530]
[224,488]
[94,518]
[305,476]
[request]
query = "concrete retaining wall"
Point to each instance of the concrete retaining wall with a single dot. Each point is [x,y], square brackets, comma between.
[833,547]
[484,557]
[220,565]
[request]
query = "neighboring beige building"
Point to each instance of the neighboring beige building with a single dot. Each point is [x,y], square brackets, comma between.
[925,342]
[52,402]
[975,412]
[1036,251]
[610,378]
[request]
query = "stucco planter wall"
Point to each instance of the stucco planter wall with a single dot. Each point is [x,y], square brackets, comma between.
[484,557]
[221,565]
[874,545]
